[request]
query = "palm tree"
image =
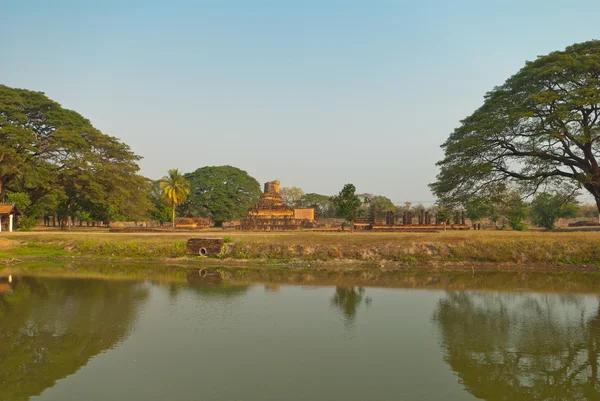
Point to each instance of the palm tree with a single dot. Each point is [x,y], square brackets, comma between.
[175,189]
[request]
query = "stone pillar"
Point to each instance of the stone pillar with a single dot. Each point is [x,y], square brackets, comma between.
[422,217]
[10,223]
[427,219]
[390,218]
[409,217]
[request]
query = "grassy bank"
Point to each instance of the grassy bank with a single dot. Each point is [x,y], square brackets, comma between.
[467,248]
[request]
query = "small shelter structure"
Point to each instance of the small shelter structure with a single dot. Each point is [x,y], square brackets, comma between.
[8,216]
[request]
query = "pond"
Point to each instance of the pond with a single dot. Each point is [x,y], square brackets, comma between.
[82,338]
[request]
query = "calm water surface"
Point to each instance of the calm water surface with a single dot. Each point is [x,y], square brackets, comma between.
[93,339]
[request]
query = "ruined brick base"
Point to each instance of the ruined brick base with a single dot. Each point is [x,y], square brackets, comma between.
[204,246]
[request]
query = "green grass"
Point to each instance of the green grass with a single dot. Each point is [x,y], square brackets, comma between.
[34,250]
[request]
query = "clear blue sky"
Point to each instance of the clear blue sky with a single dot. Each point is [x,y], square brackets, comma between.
[313,93]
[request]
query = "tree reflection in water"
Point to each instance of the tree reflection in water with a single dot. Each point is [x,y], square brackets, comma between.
[521,347]
[348,300]
[49,328]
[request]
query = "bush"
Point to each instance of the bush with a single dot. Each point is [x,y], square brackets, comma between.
[547,208]
[26,223]
[227,239]
[21,199]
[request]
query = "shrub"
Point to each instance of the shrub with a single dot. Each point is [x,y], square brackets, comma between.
[26,223]
[547,208]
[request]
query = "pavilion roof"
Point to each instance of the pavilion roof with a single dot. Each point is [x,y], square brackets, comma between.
[9,208]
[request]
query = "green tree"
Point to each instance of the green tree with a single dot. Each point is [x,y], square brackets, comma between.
[516,210]
[175,189]
[221,192]
[506,203]
[160,210]
[58,158]
[378,205]
[547,208]
[291,195]
[21,199]
[541,128]
[322,204]
[347,203]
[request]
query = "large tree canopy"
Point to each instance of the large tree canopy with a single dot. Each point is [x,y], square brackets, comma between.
[58,158]
[541,128]
[221,192]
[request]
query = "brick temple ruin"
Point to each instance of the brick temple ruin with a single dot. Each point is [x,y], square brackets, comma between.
[271,214]
[423,221]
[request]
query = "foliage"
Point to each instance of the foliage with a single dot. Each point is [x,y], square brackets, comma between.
[291,195]
[160,211]
[21,199]
[547,208]
[322,204]
[221,192]
[516,210]
[26,223]
[588,211]
[478,208]
[378,205]
[541,128]
[175,190]
[347,203]
[444,215]
[62,162]
[505,203]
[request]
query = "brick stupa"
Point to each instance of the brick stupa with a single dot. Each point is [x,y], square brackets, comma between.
[270,213]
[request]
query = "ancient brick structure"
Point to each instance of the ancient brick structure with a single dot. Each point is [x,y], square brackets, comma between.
[390,218]
[271,214]
[204,246]
[426,222]
[304,213]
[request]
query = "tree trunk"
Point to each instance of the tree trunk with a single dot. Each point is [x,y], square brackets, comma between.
[173,218]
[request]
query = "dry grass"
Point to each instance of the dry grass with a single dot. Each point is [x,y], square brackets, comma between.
[499,247]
